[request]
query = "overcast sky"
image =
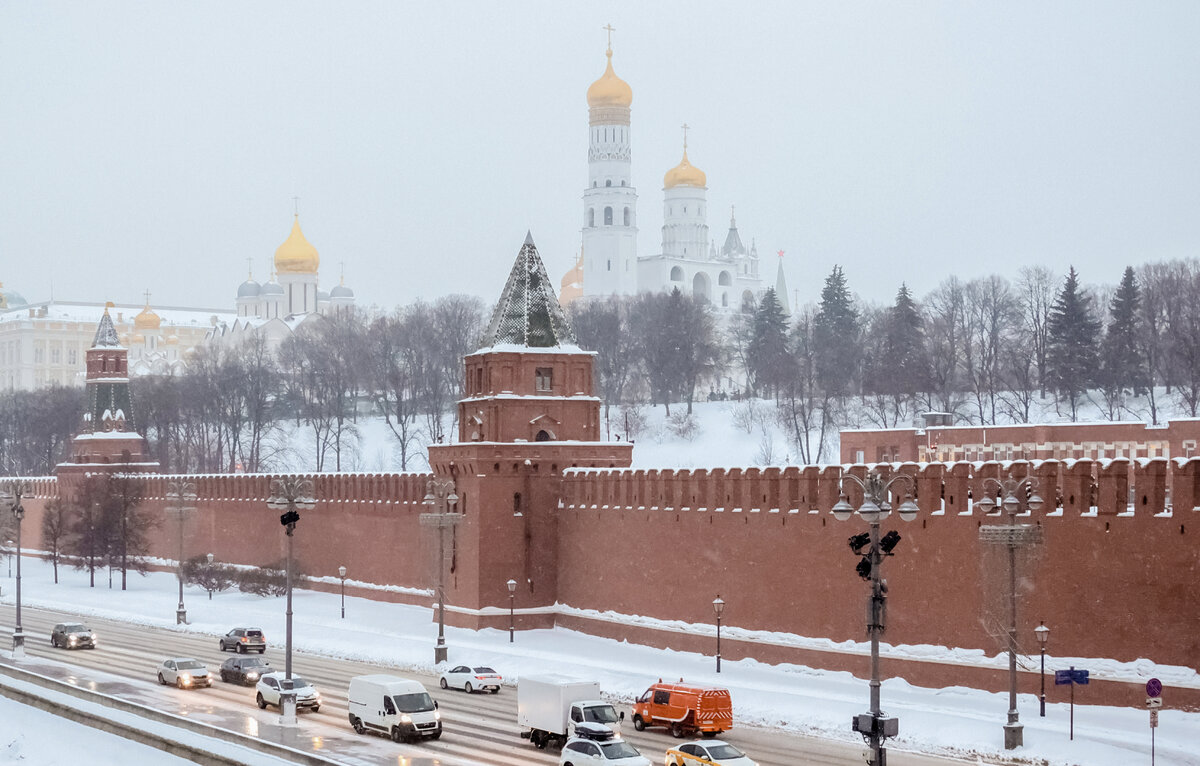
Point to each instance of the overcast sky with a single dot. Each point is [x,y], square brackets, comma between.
[159,145]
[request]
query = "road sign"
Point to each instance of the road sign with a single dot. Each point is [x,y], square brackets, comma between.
[1072,676]
[1062,677]
[1080,676]
[1154,688]
[1153,719]
[1153,702]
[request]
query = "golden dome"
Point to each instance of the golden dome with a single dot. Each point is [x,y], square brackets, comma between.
[296,256]
[684,174]
[572,283]
[609,90]
[147,320]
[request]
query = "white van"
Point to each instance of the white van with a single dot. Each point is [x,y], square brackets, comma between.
[393,706]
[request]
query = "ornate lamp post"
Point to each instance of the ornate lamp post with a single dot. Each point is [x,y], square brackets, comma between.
[181,498]
[718,607]
[512,610]
[1016,496]
[440,495]
[9,544]
[10,500]
[289,495]
[874,726]
[210,561]
[342,574]
[1043,635]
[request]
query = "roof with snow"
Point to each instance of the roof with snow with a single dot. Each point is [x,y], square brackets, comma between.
[528,313]
[106,334]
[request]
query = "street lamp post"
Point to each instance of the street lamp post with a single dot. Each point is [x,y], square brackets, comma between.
[9,544]
[342,574]
[1043,635]
[1015,496]
[11,501]
[718,607]
[873,725]
[181,498]
[512,609]
[210,561]
[289,495]
[441,496]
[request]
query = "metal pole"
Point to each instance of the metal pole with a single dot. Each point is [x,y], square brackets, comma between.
[1013,731]
[878,754]
[180,611]
[512,616]
[718,643]
[343,598]
[1043,681]
[1072,703]
[287,662]
[439,651]
[18,650]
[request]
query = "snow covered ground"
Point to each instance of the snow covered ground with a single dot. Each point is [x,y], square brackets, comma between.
[951,720]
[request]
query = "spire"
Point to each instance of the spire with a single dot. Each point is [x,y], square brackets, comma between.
[733,241]
[528,314]
[106,334]
[781,291]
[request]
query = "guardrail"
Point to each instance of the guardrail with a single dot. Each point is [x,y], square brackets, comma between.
[146,736]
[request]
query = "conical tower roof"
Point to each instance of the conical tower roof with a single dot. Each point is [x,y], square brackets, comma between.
[528,313]
[106,334]
[781,289]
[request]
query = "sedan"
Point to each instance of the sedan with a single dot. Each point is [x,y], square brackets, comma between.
[712,751]
[242,640]
[469,679]
[580,751]
[270,686]
[244,670]
[184,672]
[72,635]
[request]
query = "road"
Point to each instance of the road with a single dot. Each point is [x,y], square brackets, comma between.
[479,728]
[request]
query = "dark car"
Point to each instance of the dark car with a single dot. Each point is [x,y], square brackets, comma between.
[72,635]
[244,670]
[242,640]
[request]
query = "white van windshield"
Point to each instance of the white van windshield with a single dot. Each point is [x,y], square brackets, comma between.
[600,714]
[413,703]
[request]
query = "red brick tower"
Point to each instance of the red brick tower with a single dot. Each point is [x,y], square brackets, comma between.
[529,413]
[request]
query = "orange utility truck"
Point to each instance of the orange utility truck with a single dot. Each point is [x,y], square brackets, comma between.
[685,709]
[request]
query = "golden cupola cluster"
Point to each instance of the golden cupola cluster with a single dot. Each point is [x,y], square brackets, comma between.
[296,255]
[684,174]
[609,90]
[147,319]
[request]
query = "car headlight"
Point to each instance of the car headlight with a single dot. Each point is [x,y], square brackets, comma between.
[72,640]
[187,679]
[252,675]
[316,694]
[437,715]
[405,718]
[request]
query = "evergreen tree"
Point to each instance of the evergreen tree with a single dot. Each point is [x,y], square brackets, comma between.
[768,360]
[900,368]
[1122,364]
[835,337]
[1073,329]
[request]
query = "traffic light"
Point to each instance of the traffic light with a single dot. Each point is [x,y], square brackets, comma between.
[864,568]
[859,541]
[889,541]
[291,517]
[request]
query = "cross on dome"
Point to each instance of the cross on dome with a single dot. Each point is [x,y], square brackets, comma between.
[610,29]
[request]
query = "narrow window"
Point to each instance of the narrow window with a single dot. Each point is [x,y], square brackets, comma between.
[543,378]
[626,216]
[608,182]
[591,217]
[608,216]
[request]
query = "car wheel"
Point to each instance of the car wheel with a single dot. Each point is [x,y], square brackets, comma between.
[443,683]
[224,676]
[676,731]
[638,723]
[536,738]
[396,735]
[709,734]
[357,725]
[263,650]
[221,645]
[162,680]
[436,736]
[241,649]
[53,642]
[316,708]
[262,703]
[468,688]
[495,690]
[178,682]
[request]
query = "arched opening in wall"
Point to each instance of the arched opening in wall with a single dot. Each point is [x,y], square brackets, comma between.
[591,217]
[516,504]
[626,216]
[623,183]
[748,302]
[676,274]
[701,287]
[608,216]
[544,436]
[608,182]
[724,279]
[725,300]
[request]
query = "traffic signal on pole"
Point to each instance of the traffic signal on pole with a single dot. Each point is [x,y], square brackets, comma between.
[859,541]
[889,541]
[291,517]
[864,568]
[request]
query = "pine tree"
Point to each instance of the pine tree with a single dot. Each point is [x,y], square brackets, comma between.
[1123,367]
[767,355]
[1072,334]
[835,337]
[904,354]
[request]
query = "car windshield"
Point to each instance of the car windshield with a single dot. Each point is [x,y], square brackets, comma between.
[485,671]
[618,749]
[75,629]
[724,751]
[189,665]
[296,683]
[254,633]
[413,703]
[254,662]
[600,714]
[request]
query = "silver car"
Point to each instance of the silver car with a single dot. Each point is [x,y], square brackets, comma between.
[184,672]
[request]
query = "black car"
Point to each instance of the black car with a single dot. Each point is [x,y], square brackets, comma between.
[242,640]
[244,670]
[72,635]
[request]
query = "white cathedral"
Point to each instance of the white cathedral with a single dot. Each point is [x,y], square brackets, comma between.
[726,276]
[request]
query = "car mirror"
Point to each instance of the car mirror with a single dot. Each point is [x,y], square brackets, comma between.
[622,717]
[435,705]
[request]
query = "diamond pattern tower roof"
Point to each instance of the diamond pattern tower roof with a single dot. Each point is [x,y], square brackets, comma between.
[528,313]
[106,334]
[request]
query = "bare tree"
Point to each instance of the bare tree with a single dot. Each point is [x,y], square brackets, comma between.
[55,527]
[1035,288]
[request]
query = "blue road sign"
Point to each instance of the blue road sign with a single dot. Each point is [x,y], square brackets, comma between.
[1074,675]
[1080,677]
[1062,677]
[1154,688]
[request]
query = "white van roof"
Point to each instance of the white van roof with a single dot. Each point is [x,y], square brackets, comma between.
[382,679]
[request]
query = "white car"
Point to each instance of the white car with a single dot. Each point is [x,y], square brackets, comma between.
[469,679]
[584,751]
[270,685]
[711,751]
[184,672]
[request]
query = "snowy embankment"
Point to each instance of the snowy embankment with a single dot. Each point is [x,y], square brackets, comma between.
[952,720]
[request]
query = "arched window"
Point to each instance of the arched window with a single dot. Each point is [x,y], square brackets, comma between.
[701,286]
[608,216]
[591,217]
[724,299]
[725,279]
[594,184]
[608,182]
[626,216]
[623,183]
[543,436]
[676,274]
[748,302]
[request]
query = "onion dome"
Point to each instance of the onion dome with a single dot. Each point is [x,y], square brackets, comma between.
[147,319]
[609,90]
[249,289]
[341,291]
[684,174]
[272,288]
[296,255]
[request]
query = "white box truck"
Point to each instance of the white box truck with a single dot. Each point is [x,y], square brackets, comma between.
[549,706]
[396,707]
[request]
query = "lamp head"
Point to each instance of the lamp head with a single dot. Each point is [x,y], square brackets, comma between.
[718,605]
[512,586]
[987,503]
[210,558]
[871,512]
[842,510]
[908,509]
[1034,502]
[342,572]
[1042,633]
[1011,504]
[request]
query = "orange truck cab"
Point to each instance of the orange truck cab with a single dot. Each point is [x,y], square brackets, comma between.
[685,709]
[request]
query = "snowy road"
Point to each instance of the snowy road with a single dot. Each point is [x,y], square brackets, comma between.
[480,729]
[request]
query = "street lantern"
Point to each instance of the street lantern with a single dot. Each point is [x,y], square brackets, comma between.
[440,495]
[512,612]
[181,498]
[719,608]
[342,574]
[873,725]
[290,495]
[210,574]
[1043,635]
[10,500]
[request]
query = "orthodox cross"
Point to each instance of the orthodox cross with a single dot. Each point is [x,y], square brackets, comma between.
[250,268]
[343,265]
[685,130]
[609,28]
[147,294]
[296,202]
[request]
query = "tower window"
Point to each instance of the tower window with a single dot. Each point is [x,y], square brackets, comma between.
[608,216]
[543,378]
[609,262]
[685,209]
[608,182]
[591,216]
[626,216]
[622,183]
[594,184]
